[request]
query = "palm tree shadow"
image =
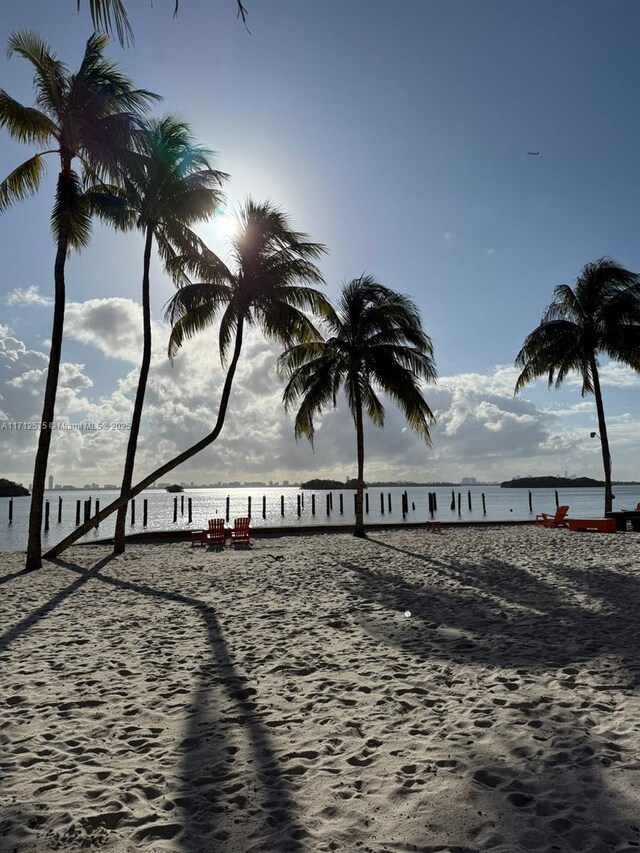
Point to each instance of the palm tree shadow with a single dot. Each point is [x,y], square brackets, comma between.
[24,625]
[225,737]
[551,761]
[6,578]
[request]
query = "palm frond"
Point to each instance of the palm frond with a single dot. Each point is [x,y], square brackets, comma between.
[71,214]
[110,15]
[25,124]
[50,75]
[23,182]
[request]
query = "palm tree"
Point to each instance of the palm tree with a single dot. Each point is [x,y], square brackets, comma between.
[268,286]
[89,116]
[111,15]
[167,187]
[600,314]
[377,343]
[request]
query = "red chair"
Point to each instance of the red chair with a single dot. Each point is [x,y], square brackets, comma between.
[240,531]
[557,520]
[215,533]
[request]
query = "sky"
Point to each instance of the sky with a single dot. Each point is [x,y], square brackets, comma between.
[397,135]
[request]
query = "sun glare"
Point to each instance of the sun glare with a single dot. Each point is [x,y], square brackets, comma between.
[225,224]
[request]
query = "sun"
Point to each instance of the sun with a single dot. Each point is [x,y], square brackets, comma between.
[225,224]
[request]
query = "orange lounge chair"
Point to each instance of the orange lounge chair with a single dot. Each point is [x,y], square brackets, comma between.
[215,533]
[240,531]
[557,520]
[597,525]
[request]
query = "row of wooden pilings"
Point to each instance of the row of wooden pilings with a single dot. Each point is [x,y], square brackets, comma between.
[83,508]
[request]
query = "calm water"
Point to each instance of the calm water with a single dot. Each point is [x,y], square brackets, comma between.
[501,504]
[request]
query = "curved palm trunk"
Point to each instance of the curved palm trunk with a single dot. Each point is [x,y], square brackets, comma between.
[604,438]
[34,544]
[359,528]
[168,466]
[132,444]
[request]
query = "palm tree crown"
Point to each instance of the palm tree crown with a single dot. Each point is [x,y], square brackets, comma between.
[268,285]
[90,115]
[600,314]
[376,342]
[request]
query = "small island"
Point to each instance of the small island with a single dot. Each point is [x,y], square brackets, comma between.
[552,483]
[329,484]
[174,488]
[9,489]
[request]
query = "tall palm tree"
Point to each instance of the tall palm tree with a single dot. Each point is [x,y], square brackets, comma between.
[376,343]
[267,286]
[165,188]
[599,314]
[89,116]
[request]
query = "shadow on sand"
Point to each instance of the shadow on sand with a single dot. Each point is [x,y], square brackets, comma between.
[546,770]
[228,758]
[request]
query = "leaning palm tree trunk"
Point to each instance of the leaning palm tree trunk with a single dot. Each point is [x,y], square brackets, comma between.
[168,466]
[132,445]
[604,438]
[34,544]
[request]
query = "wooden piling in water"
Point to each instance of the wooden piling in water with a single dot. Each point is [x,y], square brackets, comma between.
[530,503]
[77,513]
[328,505]
[341,504]
[175,510]
[389,500]
[145,511]
[313,504]
[331,500]
[557,501]
[381,503]
[298,505]
[435,502]
[97,512]
[10,510]
[453,500]
[459,513]
[87,510]
[484,506]
[133,512]
[469,499]
[189,510]
[366,502]
[226,508]
[181,504]
[60,510]
[46,516]
[264,506]
[249,507]
[281,507]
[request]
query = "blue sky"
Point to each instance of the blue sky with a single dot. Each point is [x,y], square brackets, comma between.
[396,134]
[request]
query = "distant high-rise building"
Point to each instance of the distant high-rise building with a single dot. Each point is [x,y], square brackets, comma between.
[50,482]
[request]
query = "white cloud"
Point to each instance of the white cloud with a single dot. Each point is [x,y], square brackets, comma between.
[489,251]
[112,325]
[482,430]
[27,296]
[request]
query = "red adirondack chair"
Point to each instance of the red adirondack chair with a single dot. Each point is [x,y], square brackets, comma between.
[240,531]
[215,533]
[557,520]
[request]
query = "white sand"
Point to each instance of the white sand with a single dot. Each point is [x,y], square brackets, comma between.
[178,700]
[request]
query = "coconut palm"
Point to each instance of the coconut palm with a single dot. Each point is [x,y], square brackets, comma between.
[376,343]
[268,286]
[599,314]
[165,188]
[89,116]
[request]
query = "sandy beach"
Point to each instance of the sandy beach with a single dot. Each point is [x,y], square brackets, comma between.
[469,691]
